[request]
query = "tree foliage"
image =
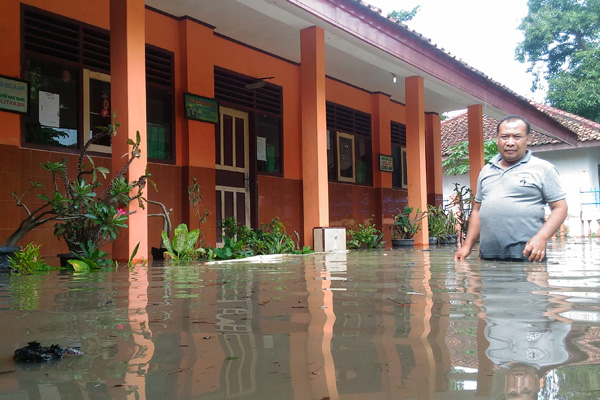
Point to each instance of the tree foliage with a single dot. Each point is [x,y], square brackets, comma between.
[458,159]
[562,44]
[403,15]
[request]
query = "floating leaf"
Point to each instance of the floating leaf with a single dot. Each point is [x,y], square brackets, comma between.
[79,265]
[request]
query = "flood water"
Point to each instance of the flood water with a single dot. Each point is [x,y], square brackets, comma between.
[377,324]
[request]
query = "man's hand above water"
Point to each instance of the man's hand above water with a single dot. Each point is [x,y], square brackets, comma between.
[462,253]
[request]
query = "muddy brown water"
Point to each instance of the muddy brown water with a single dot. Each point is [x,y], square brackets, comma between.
[377,324]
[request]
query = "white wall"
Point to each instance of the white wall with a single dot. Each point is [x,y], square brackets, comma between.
[578,169]
[448,182]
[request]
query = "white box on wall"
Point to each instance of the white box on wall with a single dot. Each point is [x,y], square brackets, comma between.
[329,239]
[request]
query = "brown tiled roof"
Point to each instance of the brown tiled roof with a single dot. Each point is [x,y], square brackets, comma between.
[454,130]
[586,130]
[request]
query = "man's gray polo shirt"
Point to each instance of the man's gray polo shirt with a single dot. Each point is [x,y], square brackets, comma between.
[512,204]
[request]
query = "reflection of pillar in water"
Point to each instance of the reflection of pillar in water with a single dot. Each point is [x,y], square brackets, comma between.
[393,326]
[137,368]
[320,328]
[440,320]
[312,365]
[423,375]
[204,355]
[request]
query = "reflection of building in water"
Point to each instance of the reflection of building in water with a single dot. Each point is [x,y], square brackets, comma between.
[233,321]
[400,323]
[588,343]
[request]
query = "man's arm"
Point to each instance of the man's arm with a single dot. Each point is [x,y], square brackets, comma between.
[472,234]
[535,249]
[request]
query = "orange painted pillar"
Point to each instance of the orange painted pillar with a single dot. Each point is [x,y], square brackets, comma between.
[476,159]
[382,138]
[198,147]
[10,53]
[433,157]
[128,97]
[196,143]
[382,144]
[415,152]
[314,131]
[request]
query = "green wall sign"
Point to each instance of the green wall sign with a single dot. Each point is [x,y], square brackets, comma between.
[14,95]
[386,163]
[201,108]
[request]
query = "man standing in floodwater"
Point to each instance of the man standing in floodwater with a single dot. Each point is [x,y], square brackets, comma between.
[512,191]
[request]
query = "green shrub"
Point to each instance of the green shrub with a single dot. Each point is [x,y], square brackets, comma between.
[93,257]
[364,236]
[28,261]
[436,221]
[243,241]
[182,247]
[231,249]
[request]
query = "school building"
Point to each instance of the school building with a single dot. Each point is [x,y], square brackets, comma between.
[318,112]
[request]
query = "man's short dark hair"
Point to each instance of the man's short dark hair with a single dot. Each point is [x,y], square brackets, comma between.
[510,118]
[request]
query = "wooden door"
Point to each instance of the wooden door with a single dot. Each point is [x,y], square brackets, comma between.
[232,167]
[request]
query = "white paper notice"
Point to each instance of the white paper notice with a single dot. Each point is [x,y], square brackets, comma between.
[49,109]
[261,148]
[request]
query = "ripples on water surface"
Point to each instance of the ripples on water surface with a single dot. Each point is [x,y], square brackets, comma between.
[383,324]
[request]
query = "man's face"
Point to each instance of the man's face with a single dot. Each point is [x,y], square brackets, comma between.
[512,141]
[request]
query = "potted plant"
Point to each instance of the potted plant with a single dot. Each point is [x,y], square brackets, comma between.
[6,252]
[406,225]
[83,213]
[436,220]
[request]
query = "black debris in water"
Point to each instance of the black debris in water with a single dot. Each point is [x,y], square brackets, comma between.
[35,352]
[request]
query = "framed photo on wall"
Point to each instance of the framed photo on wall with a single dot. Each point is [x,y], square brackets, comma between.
[345,157]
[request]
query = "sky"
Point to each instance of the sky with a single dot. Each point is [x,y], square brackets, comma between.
[482,33]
